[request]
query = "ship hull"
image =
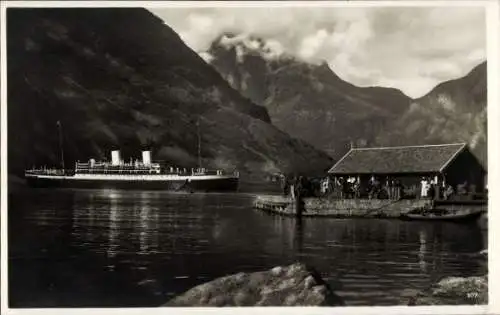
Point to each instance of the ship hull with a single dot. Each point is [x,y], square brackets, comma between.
[205,185]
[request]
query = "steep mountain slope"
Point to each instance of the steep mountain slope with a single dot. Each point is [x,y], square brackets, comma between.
[307,101]
[312,103]
[454,111]
[120,78]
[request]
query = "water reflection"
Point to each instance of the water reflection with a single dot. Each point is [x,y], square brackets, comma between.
[113,229]
[422,251]
[218,228]
[146,233]
[166,243]
[299,236]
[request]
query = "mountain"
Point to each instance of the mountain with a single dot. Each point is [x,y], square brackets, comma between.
[121,78]
[312,103]
[454,111]
[308,101]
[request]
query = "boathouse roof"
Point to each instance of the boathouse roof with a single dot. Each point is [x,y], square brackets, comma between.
[396,160]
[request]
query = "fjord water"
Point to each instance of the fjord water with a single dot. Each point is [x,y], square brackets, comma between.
[92,248]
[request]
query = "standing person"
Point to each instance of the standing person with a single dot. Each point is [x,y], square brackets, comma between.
[373,187]
[462,189]
[448,192]
[292,187]
[349,187]
[304,186]
[299,194]
[377,184]
[430,190]
[357,189]
[387,188]
[395,189]
[284,184]
[370,187]
[325,185]
[299,187]
[424,187]
[437,188]
[340,187]
[398,188]
[390,188]
[345,188]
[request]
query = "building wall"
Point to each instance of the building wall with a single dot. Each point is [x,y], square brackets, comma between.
[465,167]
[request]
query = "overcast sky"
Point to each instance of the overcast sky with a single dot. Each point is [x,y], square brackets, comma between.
[412,49]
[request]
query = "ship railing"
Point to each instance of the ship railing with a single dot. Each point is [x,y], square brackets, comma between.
[118,171]
[85,165]
[200,172]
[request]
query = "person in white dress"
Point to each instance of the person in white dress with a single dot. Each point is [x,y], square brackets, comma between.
[424,187]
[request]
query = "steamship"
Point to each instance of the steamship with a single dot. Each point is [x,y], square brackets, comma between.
[136,174]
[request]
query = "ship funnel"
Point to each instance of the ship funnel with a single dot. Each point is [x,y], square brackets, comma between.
[115,157]
[146,157]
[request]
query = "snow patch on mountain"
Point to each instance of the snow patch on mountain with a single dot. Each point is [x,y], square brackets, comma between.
[245,44]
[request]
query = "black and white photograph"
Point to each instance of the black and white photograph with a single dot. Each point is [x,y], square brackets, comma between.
[247,154]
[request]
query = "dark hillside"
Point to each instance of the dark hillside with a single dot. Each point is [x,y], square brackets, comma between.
[121,78]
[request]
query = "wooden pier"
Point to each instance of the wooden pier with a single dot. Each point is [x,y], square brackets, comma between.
[362,208]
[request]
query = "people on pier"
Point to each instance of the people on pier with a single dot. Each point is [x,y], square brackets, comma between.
[424,187]
[345,188]
[284,184]
[462,188]
[354,187]
[299,187]
[431,190]
[390,188]
[372,187]
[398,189]
[325,186]
[299,193]
[448,192]
[357,189]
[375,187]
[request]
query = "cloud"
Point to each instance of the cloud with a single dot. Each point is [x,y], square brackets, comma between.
[412,49]
[311,45]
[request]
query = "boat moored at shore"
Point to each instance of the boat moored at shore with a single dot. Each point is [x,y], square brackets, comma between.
[467,215]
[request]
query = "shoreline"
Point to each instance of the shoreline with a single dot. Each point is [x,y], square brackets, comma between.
[348,208]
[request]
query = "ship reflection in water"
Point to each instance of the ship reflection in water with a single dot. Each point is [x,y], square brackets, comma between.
[121,248]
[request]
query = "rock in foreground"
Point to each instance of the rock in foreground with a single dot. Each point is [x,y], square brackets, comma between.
[294,285]
[457,291]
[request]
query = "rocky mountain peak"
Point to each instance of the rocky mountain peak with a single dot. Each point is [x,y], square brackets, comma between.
[307,100]
[244,45]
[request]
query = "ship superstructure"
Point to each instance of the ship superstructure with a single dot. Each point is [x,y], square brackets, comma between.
[139,174]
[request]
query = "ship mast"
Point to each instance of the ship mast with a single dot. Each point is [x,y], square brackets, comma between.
[59,128]
[199,141]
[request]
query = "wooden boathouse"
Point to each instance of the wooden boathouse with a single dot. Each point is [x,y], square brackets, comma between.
[445,164]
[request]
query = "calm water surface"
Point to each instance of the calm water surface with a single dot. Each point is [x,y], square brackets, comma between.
[121,248]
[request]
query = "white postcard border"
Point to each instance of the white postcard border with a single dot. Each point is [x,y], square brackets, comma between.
[493,70]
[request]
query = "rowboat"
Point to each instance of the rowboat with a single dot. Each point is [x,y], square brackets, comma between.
[462,215]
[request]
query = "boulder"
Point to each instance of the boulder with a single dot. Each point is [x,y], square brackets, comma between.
[294,285]
[455,291]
